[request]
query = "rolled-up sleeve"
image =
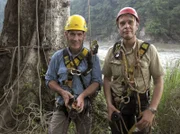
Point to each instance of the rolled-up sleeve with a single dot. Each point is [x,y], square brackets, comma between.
[51,73]
[96,70]
[156,68]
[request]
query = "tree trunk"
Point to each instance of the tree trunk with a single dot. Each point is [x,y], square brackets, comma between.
[32,31]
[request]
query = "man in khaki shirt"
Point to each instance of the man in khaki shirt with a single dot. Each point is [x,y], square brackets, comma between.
[128,68]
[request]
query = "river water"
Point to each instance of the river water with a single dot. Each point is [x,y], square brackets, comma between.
[168,53]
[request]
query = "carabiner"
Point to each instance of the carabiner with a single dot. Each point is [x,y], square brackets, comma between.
[126,99]
[75,72]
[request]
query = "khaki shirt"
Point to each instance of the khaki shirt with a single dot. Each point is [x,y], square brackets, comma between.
[150,66]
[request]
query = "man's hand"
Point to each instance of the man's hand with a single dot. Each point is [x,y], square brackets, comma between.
[66,96]
[80,103]
[111,109]
[146,120]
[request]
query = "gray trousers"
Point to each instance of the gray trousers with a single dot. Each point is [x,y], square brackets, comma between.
[60,122]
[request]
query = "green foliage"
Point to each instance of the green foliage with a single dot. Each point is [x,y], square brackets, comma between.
[100,122]
[168,117]
[2,5]
[159,17]
[154,27]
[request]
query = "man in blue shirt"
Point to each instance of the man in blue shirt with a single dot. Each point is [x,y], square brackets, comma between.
[74,73]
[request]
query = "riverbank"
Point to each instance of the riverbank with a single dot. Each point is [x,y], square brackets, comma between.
[159,46]
[168,53]
[167,47]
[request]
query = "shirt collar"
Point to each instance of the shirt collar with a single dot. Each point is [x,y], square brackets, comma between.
[73,55]
[131,50]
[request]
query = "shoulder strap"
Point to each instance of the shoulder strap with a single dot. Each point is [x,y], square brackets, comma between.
[66,57]
[116,50]
[143,49]
[74,63]
[77,59]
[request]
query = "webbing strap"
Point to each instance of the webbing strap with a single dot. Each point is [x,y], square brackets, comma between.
[128,70]
[143,49]
[67,59]
[73,63]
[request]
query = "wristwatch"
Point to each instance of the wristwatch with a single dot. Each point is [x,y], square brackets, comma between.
[152,110]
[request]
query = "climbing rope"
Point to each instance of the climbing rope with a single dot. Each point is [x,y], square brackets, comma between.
[44,42]
[130,70]
[19,44]
[38,62]
[89,22]
[93,45]
[8,97]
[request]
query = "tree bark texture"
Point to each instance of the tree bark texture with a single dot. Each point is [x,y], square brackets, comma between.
[32,31]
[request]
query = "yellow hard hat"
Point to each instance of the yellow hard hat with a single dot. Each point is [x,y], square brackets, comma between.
[76,22]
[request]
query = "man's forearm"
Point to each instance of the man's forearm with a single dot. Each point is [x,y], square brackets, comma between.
[157,93]
[107,91]
[55,87]
[90,90]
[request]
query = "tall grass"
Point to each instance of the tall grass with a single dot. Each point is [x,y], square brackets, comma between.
[168,117]
[167,120]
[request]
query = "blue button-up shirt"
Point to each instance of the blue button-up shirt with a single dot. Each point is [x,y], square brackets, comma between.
[58,72]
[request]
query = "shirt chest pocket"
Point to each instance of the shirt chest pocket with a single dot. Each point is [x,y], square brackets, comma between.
[62,74]
[116,68]
[144,66]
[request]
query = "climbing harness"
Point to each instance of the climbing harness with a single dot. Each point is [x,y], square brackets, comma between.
[128,70]
[130,86]
[68,61]
[72,64]
[72,69]
[142,50]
